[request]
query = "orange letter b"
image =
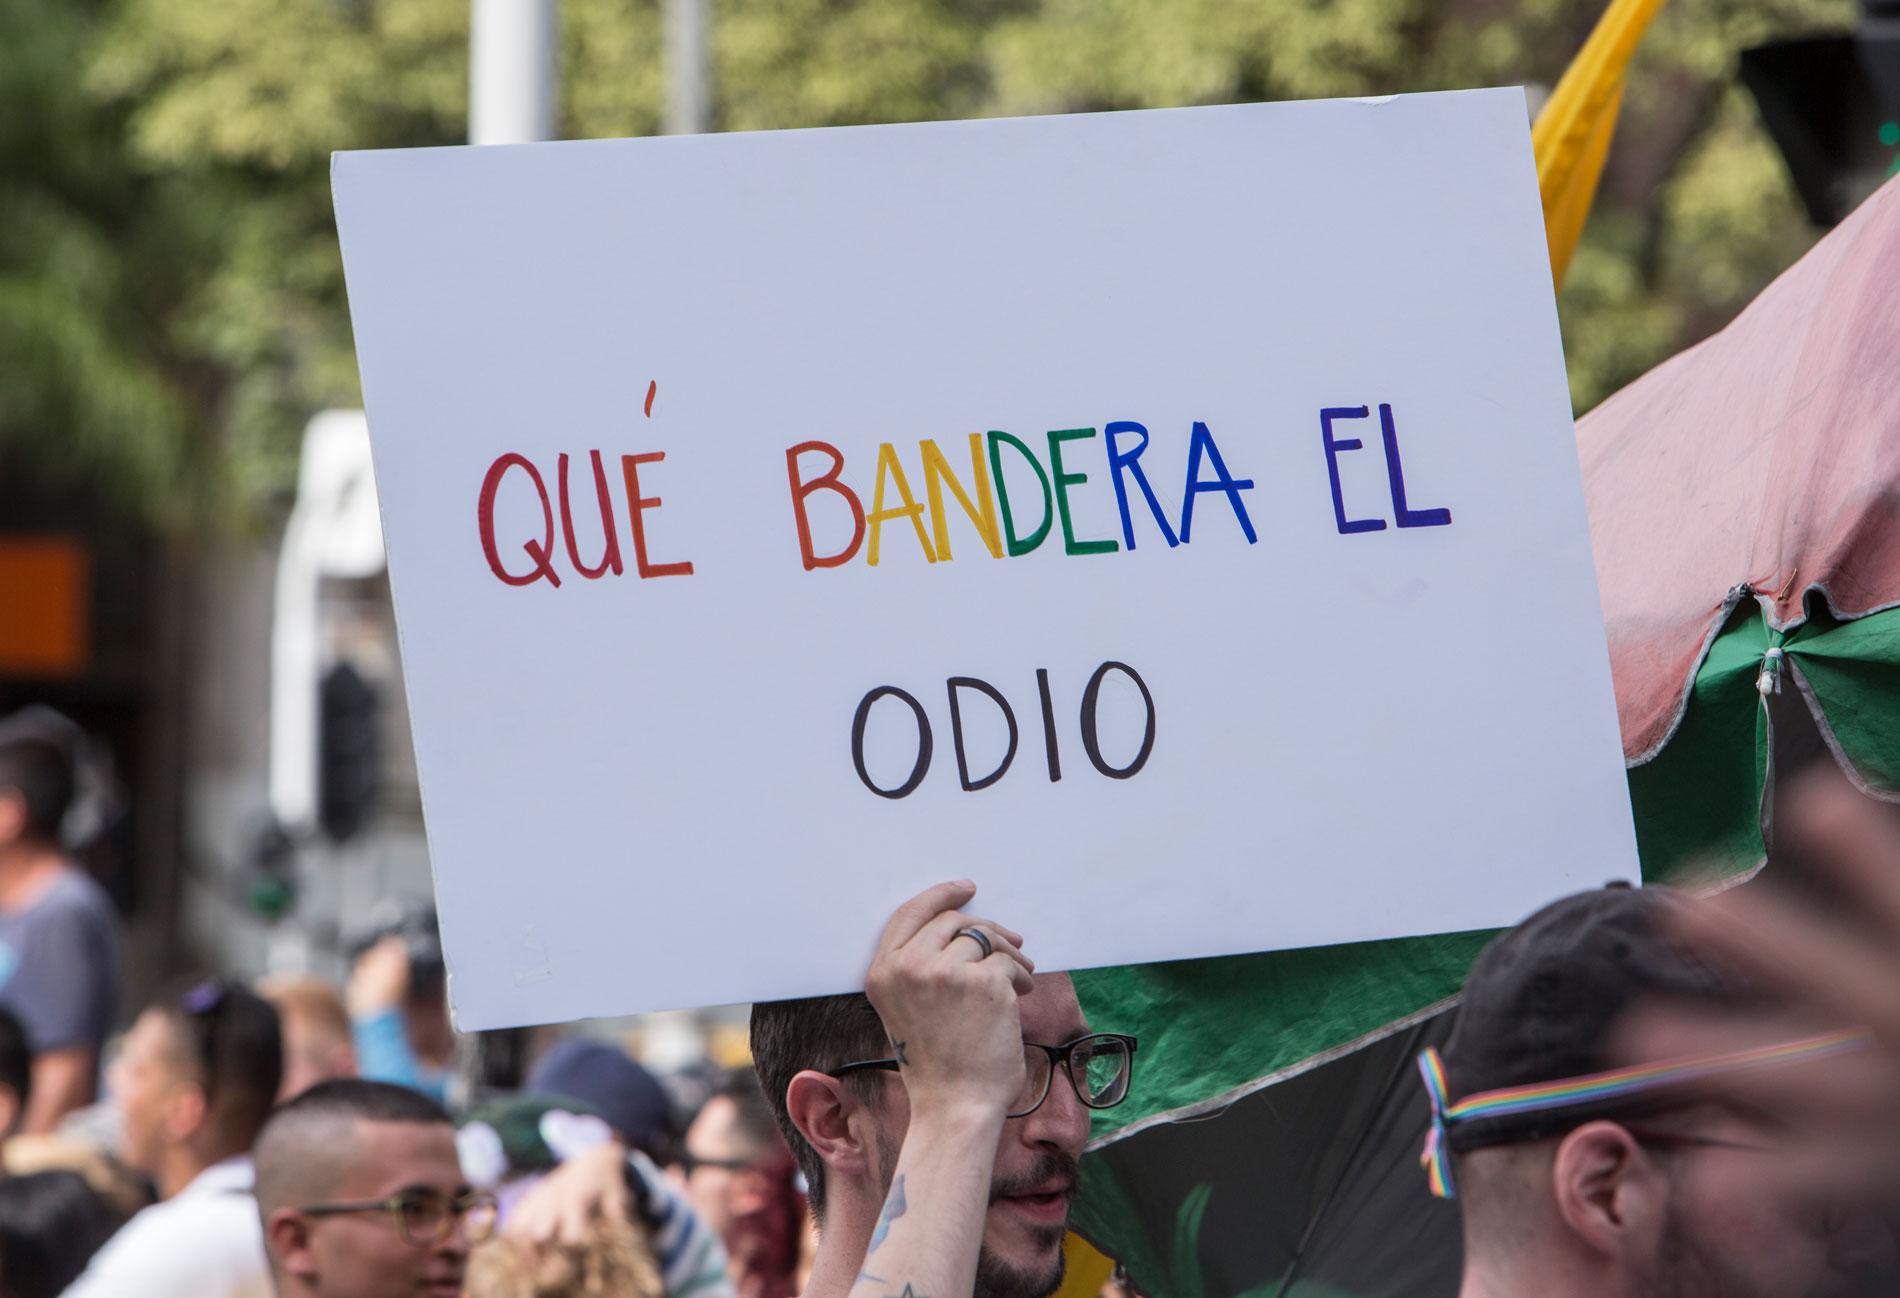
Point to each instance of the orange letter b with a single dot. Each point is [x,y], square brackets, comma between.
[828,480]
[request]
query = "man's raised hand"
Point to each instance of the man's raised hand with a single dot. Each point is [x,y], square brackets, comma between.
[948,1000]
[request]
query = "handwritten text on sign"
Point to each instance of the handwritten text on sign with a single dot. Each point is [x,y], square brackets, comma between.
[780,523]
[984,502]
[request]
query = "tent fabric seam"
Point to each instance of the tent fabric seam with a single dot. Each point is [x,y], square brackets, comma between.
[1716,626]
[1228,1098]
[1834,745]
[1211,1105]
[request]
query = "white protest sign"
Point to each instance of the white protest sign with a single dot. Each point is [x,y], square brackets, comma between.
[1170,520]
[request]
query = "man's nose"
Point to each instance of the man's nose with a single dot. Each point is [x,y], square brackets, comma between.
[1062,1122]
[456,1241]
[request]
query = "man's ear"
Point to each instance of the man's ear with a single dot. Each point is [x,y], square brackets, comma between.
[287,1232]
[185,1110]
[1609,1193]
[821,1107]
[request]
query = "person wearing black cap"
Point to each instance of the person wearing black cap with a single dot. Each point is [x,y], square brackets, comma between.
[1588,1167]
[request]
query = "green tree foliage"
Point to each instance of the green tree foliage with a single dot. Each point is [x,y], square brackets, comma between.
[171,295]
[85,378]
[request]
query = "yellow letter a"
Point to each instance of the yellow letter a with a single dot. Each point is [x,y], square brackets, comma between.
[887,464]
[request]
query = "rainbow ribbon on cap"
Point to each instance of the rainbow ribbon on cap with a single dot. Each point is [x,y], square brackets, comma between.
[1573,1092]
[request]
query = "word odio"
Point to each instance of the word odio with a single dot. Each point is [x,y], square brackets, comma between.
[815,477]
[815,472]
[1052,753]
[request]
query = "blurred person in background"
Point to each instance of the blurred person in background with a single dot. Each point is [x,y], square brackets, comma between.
[560,1169]
[361,1194]
[606,1079]
[613,1260]
[51,1223]
[399,1007]
[16,1074]
[319,1045]
[26,1155]
[743,1182]
[60,944]
[194,1083]
[511,1145]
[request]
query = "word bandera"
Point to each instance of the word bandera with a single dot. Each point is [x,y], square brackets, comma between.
[815,473]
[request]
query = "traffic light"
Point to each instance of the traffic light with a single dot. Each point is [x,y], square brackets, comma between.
[1832,105]
[349,752]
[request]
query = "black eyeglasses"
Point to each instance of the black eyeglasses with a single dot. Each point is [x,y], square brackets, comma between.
[426,1217]
[1100,1067]
[689,1162]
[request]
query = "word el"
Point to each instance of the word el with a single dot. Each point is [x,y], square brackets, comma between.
[992,495]
[926,747]
[541,552]
[1394,472]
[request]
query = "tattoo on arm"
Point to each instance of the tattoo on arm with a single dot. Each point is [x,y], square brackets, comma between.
[894,1207]
[909,1291]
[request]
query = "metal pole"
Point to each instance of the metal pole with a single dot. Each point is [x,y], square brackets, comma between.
[514,48]
[688,68]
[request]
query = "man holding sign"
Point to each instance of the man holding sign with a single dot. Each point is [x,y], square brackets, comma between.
[940,1146]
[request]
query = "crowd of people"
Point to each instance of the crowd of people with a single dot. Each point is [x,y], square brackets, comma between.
[297,1137]
[1646,1092]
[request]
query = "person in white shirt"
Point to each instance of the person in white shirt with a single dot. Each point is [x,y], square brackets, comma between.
[194,1083]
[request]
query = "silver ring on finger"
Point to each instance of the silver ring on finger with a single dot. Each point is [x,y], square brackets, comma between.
[979,937]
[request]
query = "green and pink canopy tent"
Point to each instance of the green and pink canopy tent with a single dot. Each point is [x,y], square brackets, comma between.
[1744,502]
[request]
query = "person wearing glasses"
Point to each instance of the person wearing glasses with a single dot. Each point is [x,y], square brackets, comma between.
[744,1185]
[939,1117]
[193,1083]
[361,1195]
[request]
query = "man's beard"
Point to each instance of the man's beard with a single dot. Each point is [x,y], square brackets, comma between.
[1688,1267]
[996,1278]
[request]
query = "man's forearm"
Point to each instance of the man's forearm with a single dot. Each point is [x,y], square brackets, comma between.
[930,1230]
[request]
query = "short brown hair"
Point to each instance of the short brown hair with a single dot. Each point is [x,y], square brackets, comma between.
[822,1033]
[308,1142]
